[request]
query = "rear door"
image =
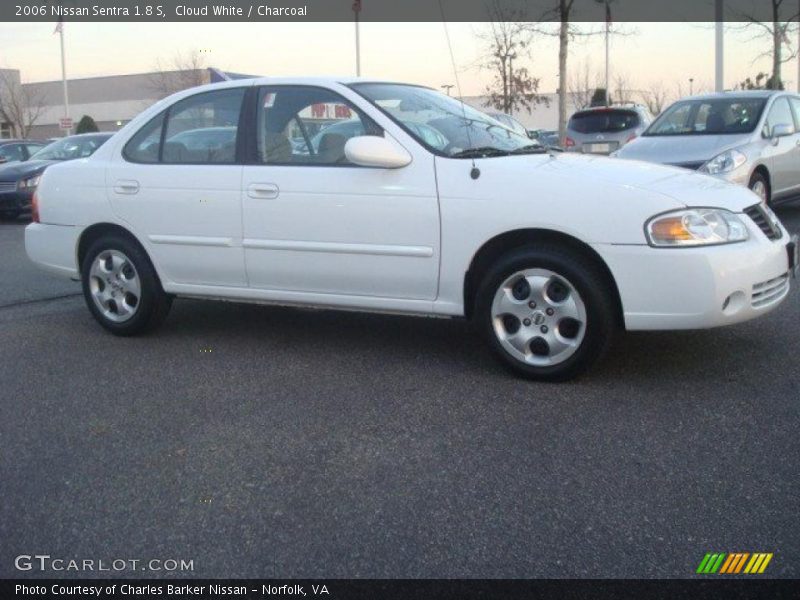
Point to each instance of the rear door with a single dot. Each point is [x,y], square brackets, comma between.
[178,183]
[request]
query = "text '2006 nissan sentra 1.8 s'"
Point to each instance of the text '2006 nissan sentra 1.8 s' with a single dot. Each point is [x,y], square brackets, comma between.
[390,197]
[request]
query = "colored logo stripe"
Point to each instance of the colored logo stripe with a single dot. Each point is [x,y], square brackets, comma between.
[758,563]
[711,563]
[734,562]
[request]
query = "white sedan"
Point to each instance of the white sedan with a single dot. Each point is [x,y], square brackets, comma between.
[549,254]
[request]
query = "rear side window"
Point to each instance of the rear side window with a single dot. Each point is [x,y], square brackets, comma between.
[200,129]
[604,121]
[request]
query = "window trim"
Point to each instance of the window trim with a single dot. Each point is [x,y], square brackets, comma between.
[251,159]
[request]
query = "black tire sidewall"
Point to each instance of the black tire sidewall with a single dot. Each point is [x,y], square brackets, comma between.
[151,292]
[590,283]
[759,177]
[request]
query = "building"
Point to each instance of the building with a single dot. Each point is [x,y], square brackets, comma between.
[111,101]
[114,100]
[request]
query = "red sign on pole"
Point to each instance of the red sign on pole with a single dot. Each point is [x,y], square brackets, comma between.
[356,6]
[65,123]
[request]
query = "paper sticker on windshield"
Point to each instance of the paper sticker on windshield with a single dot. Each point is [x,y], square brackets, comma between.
[269,100]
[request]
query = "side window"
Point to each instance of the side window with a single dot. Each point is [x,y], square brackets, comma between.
[795,102]
[200,129]
[145,145]
[33,148]
[12,152]
[779,113]
[307,125]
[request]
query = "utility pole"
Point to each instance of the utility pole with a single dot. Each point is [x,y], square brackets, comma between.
[60,29]
[608,45]
[447,87]
[691,86]
[356,11]
[719,62]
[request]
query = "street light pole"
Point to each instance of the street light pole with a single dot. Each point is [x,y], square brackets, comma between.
[356,11]
[607,3]
[691,86]
[719,63]
[447,87]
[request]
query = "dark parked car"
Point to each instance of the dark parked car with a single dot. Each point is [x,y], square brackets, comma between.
[18,180]
[17,150]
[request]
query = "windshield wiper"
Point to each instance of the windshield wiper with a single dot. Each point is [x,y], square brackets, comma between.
[480,152]
[530,149]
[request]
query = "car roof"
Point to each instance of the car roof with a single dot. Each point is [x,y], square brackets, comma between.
[736,94]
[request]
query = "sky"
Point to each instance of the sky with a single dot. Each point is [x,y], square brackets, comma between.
[650,54]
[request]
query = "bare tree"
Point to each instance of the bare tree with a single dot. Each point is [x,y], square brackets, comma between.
[562,12]
[20,106]
[582,84]
[779,32]
[183,71]
[655,97]
[508,39]
[623,88]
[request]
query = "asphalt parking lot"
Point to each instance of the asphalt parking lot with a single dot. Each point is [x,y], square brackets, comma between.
[277,442]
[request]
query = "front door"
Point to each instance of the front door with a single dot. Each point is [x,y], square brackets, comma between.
[315,223]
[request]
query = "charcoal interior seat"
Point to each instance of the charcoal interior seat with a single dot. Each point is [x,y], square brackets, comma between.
[277,148]
[331,148]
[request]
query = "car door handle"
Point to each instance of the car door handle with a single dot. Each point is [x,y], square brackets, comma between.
[263,191]
[126,186]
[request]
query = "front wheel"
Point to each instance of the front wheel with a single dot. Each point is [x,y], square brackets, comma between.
[547,312]
[760,186]
[121,287]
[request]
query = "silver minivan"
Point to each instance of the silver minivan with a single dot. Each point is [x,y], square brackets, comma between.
[747,137]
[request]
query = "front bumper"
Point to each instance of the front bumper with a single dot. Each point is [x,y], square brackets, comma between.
[698,288]
[16,200]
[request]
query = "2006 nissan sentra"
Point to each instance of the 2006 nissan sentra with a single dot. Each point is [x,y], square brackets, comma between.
[548,254]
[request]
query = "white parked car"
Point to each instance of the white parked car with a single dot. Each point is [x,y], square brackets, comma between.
[548,254]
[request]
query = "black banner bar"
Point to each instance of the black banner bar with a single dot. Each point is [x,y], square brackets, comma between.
[389,10]
[405,589]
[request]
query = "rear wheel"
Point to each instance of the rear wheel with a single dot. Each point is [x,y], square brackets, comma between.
[547,312]
[121,287]
[760,186]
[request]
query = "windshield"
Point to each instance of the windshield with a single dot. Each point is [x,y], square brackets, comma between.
[70,148]
[603,120]
[709,117]
[443,124]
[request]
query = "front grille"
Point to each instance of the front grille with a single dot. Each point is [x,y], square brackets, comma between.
[767,292]
[8,186]
[765,223]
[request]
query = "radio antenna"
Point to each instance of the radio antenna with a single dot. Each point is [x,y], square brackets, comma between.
[475,172]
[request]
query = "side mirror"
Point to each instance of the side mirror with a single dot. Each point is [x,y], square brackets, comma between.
[374,151]
[781,130]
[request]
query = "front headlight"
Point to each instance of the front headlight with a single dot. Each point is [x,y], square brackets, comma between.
[30,182]
[723,163]
[695,227]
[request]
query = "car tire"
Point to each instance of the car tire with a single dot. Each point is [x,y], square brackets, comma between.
[9,215]
[121,287]
[760,186]
[546,311]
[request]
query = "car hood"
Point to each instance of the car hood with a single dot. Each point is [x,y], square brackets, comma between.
[685,187]
[20,170]
[678,149]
